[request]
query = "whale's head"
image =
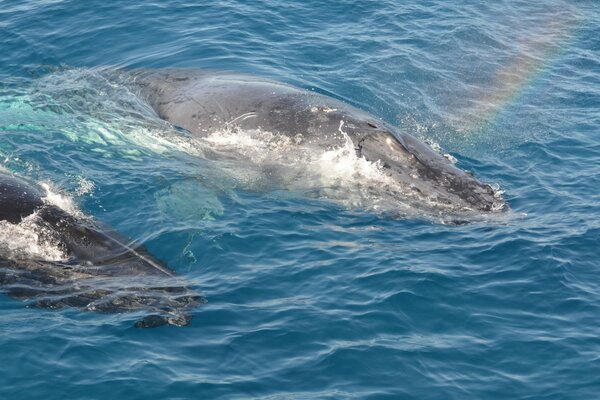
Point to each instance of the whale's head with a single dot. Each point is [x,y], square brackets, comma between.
[420,178]
[55,259]
[428,179]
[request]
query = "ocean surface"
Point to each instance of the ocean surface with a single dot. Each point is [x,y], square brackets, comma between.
[314,291]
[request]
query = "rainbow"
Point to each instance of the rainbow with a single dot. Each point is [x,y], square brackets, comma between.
[537,51]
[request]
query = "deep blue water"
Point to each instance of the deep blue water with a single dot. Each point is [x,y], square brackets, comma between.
[310,298]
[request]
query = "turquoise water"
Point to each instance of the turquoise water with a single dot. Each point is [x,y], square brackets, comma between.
[316,294]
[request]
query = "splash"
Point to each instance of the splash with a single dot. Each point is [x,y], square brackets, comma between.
[263,161]
[61,201]
[264,157]
[84,186]
[29,240]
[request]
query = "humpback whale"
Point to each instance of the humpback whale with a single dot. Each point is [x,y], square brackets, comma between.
[92,267]
[205,102]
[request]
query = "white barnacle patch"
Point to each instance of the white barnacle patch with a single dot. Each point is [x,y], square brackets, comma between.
[324,109]
[298,138]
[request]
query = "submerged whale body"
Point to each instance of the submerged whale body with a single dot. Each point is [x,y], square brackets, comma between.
[207,102]
[91,267]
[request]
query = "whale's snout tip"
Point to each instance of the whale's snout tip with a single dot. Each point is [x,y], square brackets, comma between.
[492,200]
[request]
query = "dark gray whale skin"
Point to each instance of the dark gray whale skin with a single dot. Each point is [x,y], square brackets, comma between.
[203,102]
[103,271]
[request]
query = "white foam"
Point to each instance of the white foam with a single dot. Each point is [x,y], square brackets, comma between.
[85,186]
[60,200]
[263,160]
[29,240]
[260,160]
[343,163]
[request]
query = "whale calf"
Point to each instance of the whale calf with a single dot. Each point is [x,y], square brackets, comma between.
[203,102]
[88,266]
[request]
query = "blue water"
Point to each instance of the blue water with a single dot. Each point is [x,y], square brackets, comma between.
[310,297]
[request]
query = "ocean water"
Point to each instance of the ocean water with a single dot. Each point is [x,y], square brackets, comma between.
[313,291]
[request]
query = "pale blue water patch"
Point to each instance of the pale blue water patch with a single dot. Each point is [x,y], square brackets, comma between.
[313,293]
